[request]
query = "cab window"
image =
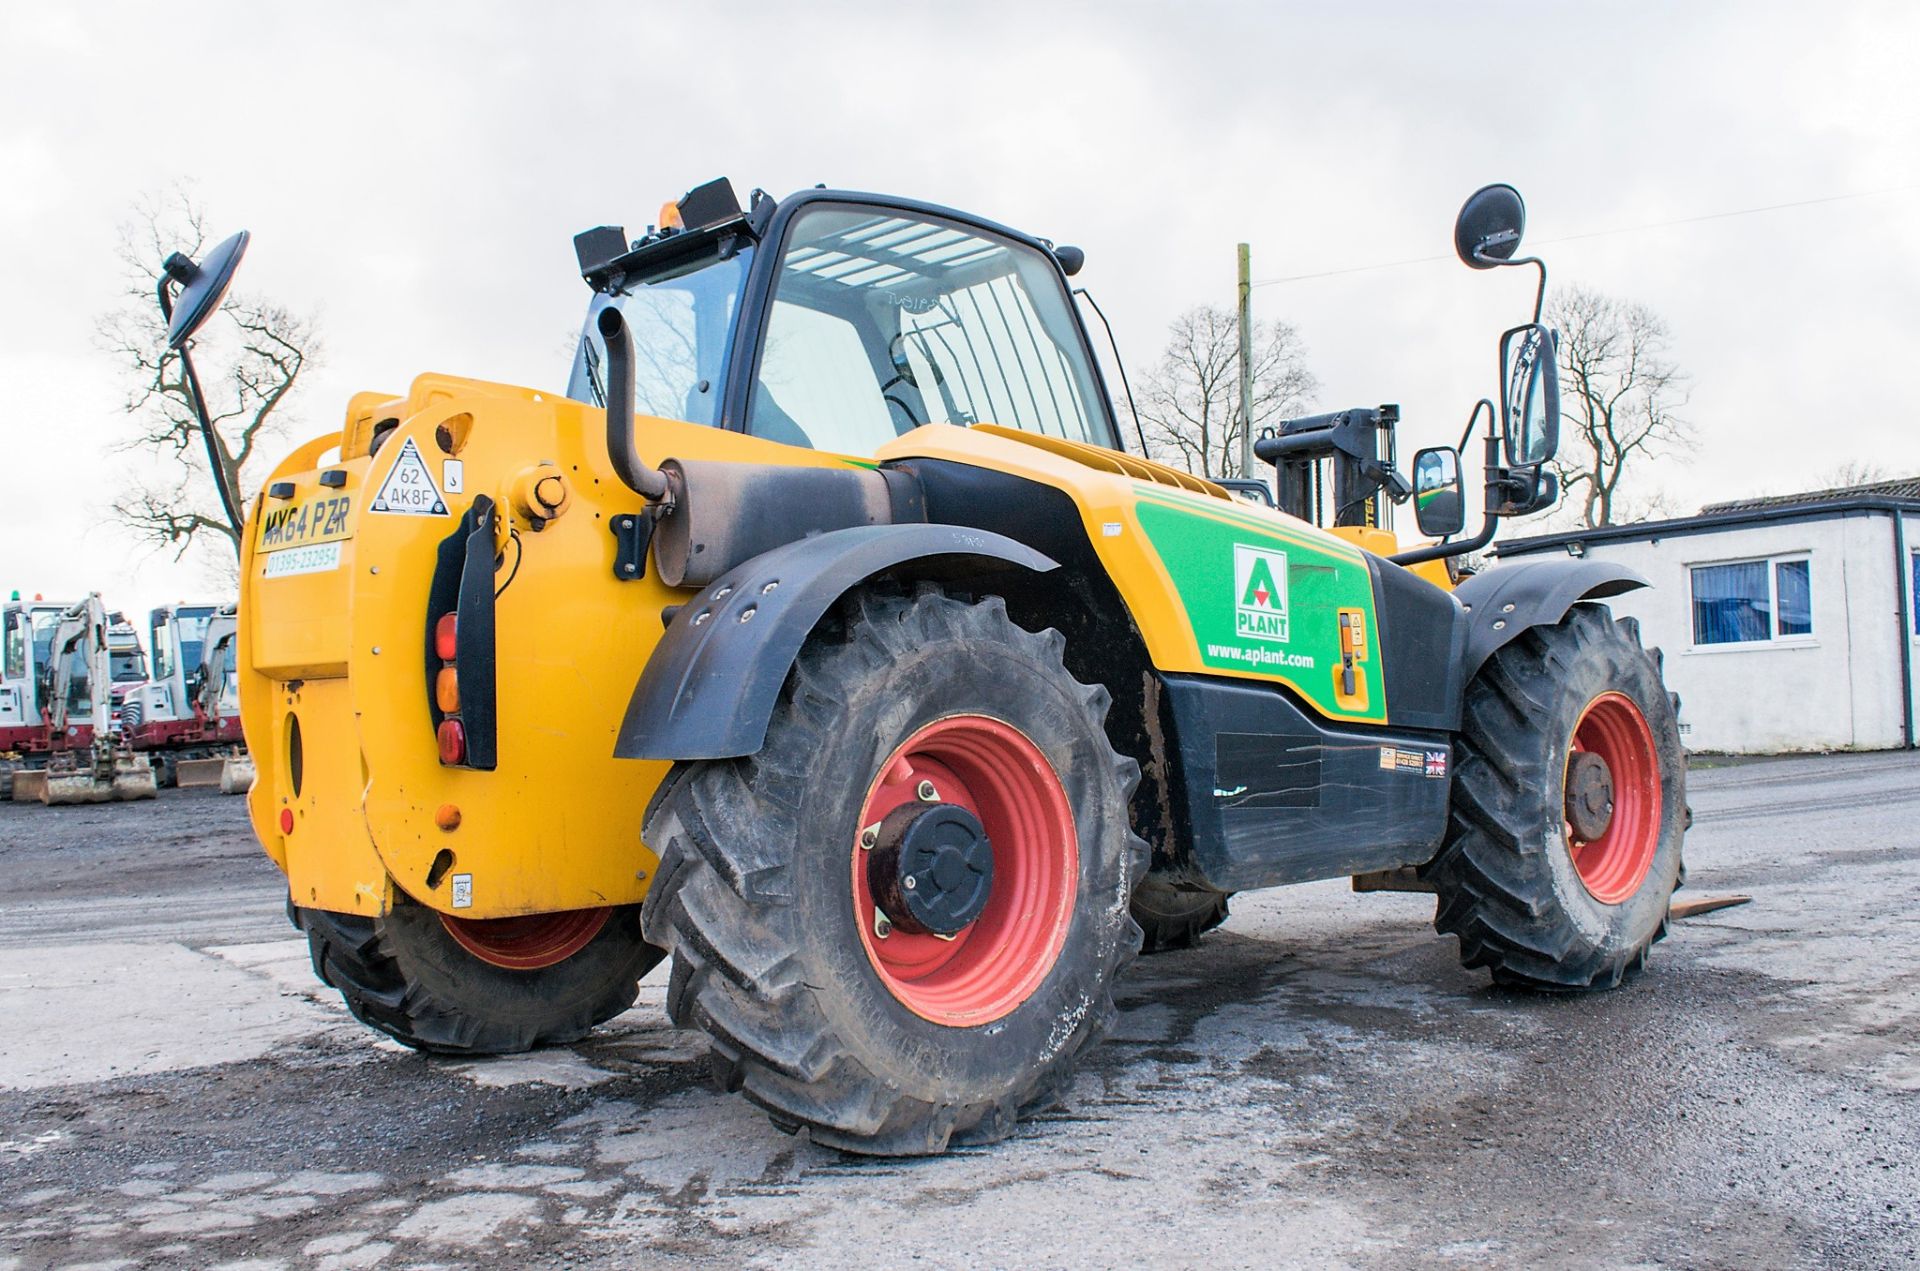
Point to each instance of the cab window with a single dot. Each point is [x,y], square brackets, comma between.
[881,323]
[16,655]
[163,667]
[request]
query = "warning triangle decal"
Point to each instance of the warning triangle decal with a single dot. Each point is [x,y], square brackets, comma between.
[409,488]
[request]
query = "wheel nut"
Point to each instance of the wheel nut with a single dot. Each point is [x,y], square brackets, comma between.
[927,793]
[908,882]
[869,836]
[881,927]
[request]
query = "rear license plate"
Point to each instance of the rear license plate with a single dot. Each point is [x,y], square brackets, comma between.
[325,518]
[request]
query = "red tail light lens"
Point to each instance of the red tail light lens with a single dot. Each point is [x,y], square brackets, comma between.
[446,636]
[453,741]
[446,691]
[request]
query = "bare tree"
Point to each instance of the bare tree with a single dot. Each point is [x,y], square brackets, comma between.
[1618,397]
[1853,472]
[1190,401]
[250,358]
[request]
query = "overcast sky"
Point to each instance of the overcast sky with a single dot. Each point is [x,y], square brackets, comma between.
[413,175]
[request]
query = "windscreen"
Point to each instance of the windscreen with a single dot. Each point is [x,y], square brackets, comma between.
[192,622]
[883,322]
[681,323]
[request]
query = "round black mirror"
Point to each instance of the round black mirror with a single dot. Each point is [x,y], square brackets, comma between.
[1530,394]
[202,286]
[1438,504]
[1488,229]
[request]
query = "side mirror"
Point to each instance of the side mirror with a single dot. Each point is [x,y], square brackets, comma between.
[1438,504]
[202,287]
[1530,394]
[1487,232]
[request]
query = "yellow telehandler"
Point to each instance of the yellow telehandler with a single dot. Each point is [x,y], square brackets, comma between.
[824,635]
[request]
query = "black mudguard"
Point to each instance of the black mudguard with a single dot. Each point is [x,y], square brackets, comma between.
[711,685]
[1507,599]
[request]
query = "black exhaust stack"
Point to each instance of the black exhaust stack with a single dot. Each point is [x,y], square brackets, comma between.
[648,483]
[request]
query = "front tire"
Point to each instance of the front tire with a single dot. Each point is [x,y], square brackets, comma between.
[822,1008]
[499,987]
[1569,807]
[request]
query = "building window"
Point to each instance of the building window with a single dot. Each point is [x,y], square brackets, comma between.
[1745,602]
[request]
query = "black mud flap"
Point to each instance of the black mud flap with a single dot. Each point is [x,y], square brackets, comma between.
[712,683]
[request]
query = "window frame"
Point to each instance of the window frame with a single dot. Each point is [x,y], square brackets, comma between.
[756,302]
[1913,592]
[18,640]
[1773,638]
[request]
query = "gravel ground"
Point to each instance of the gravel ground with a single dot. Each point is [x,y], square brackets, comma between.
[1319,1084]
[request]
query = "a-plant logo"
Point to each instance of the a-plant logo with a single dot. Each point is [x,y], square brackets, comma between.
[1260,591]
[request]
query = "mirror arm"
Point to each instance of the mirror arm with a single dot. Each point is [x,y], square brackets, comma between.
[1473,417]
[229,500]
[1539,293]
[1460,548]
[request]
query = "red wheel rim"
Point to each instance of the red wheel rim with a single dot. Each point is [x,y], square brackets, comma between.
[995,963]
[1613,865]
[529,943]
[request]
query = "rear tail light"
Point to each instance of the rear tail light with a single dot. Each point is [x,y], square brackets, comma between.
[453,741]
[459,680]
[446,691]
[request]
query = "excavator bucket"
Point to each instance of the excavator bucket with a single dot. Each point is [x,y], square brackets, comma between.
[128,777]
[133,779]
[236,773]
[198,774]
[74,785]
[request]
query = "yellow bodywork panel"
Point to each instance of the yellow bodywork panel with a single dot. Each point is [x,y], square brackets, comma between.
[1385,543]
[337,641]
[1110,491]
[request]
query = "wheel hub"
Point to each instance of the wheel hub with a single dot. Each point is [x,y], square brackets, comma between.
[931,868]
[1589,795]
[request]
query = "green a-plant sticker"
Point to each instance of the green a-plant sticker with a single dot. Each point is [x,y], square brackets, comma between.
[1260,583]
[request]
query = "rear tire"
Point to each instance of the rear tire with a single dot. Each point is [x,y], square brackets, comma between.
[1527,897]
[893,1044]
[1175,917]
[407,976]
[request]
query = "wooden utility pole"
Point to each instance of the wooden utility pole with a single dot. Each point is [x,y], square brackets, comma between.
[1246,360]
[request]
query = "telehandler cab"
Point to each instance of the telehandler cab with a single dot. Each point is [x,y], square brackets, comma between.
[824,636]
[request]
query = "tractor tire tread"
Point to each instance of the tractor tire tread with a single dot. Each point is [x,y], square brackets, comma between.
[1493,876]
[1173,917]
[722,902]
[359,959]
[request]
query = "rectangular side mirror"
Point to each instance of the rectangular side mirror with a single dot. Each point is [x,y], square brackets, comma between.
[1439,506]
[1530,394]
